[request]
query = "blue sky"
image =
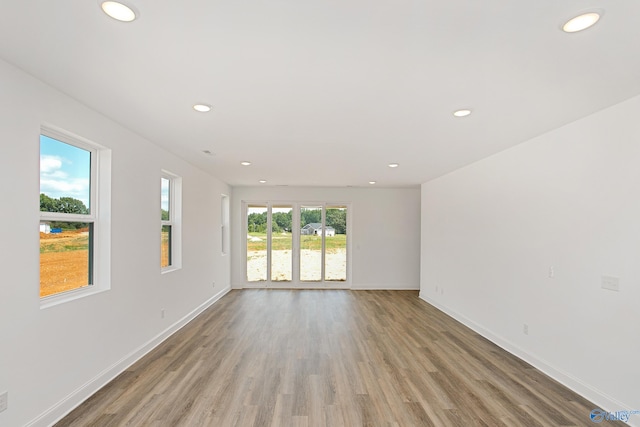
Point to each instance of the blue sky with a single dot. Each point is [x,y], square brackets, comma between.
[65,170]
[164,194]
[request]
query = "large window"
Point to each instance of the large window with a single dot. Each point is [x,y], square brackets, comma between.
[74,209]
[301,243]
[170,220]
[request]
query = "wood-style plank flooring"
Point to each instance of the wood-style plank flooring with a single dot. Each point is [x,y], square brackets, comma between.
[329,358]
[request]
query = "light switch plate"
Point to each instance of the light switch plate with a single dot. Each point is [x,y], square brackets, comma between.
[611,283]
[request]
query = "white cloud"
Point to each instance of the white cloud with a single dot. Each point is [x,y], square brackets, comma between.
[57,183]
[50,164]
[68,187]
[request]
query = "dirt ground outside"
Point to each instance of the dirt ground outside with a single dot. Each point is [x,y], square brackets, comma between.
[165,248]
[310,269]
[64,261]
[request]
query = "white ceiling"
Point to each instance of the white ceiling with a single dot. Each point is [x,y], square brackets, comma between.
[328,92]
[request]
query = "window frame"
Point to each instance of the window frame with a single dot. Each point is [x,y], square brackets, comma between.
[98,217]
[175,221]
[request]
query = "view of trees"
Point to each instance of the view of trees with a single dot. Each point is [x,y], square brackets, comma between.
[64,205]
[281,221]
[310,216]
[337,218]
[257,222]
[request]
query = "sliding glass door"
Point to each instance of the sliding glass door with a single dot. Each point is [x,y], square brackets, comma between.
[296,244]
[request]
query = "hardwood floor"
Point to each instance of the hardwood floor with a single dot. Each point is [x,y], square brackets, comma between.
[329,358]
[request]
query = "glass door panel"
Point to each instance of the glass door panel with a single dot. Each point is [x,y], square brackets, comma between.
[281,243]
[256,243]
[311,243]
[335,259]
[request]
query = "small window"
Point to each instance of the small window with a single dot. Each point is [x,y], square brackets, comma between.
[71,225]
[165,246]
[224,223]
[170,189]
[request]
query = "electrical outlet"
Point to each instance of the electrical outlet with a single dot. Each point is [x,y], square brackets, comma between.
[213,284]
[525,329]
[162,313]
[552,272]
[611,283]
[4,401]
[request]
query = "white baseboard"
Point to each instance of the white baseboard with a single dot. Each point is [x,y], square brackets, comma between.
[383,287]
[74,399]
[327,285]
[602,400]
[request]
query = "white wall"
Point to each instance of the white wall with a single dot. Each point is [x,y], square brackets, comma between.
[51,359]
[569,199]
[385,233]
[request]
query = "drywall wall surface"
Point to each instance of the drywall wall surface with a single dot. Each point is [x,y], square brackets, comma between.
[518,245]
[52,358]
[384,231]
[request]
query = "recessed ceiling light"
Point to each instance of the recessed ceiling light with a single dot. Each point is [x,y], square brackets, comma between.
[462,113]
[581,22]
[393,165]
[245,163]
[372,182]
[118,11]
[262,181]
[202,108]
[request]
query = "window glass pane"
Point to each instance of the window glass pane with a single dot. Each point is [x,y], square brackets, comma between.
[165,246]
[65,177]
[311,243]
[165,199]
[336,243]
[281,243]
[256,243]
[65,256]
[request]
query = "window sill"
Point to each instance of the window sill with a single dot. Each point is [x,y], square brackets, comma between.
[170,269]
[64,297]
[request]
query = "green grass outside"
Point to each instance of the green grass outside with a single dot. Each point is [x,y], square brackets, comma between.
[76,242]
[280,242]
